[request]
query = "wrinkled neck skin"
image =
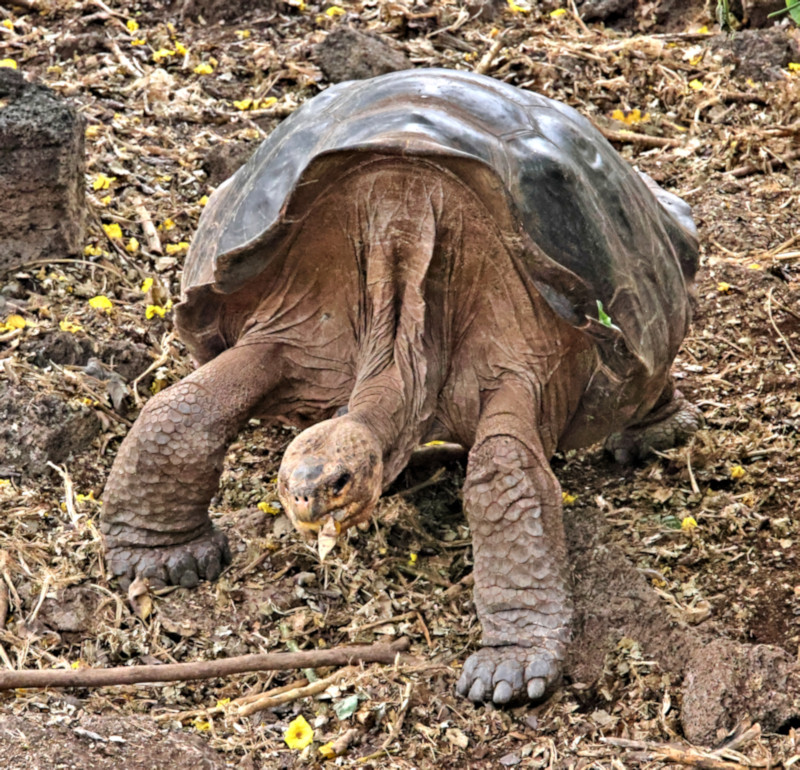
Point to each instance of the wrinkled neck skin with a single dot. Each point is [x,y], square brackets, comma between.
[401,364]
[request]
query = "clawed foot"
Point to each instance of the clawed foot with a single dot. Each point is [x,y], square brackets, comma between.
[509,675]
[184,565]
[663,429]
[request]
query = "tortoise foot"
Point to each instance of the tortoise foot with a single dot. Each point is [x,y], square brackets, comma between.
[185,565]
[509,675]
[663,429]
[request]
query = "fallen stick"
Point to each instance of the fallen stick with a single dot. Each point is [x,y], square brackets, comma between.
[656,752]
[206,669]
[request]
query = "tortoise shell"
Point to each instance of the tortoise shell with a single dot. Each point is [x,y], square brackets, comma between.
[589,228]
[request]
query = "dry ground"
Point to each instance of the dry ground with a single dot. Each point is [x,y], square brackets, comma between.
[723,141]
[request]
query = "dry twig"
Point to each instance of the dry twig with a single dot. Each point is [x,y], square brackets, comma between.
[205,669]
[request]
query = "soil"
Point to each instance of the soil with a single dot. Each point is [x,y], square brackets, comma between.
[682,565]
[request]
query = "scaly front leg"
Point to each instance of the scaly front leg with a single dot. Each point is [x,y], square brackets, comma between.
[513,502]
[155,515]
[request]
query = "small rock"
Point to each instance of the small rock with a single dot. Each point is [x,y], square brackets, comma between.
[347,54]
[39,427]
[759,54]
[224,159]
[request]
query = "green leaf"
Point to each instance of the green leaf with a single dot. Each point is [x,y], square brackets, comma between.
[602,316]
[346,706]
[793,6]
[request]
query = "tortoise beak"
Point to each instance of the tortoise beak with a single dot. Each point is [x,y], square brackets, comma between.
[328,535]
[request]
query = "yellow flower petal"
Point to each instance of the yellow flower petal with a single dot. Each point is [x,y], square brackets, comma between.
[696,85]
[176,248]
[688,523]
[723,287]
[162,53]
[113,230]
[412,558]
[558,12]
[203,200]
[92,251]
[10,63]
[242,34]
[203,69]
[515,8]
[14,322]
[154,310]
[567,498]
[101,302]
[334,10]
[132,246]
[180,48]
[737,472]
[243,104]
[754,266]
[7,23]
[299,734]
[793,66]
[147,284]
[139,41]
[167,224]
[70,326]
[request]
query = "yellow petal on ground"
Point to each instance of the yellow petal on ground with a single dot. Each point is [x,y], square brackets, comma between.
[177,248]
[754,266]
[7,23]
[696,85]
[162,53]
[334,10]
[92,251]
[147,284]
[243,104]
[113,230]
[167,224]
[558,12]
[102,182]
[723,287]
[101,302]
[139,41]
[268,102]
[737,472]
[567,498]
[14,322]
[180,48]
[203,200]
[70,326]
[203,69]
[793,66]
[299,734]
[154,310]
[132,25]
[688,523]
[132,246]
[516,8]
[242,34]
[327,751]
[9,63]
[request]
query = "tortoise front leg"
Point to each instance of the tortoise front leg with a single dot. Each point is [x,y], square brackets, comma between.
[155,508]
[513,502]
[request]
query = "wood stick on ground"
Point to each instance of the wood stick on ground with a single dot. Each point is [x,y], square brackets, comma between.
[205,669]
[268,701]
[484,65]
[663,752]
[752,168]
[632,137]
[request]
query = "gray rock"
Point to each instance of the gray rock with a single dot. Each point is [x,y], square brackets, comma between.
[41,174]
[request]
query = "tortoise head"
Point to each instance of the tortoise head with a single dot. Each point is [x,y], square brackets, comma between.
[330,478]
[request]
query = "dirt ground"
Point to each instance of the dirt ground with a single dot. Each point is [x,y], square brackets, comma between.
[712,527]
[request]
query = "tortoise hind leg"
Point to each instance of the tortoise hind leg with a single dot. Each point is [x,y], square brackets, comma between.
[155,515]
[671,421]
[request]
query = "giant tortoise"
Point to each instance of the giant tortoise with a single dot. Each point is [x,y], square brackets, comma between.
[426,255]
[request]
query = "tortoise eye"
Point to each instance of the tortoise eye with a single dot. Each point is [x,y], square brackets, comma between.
[340,483]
